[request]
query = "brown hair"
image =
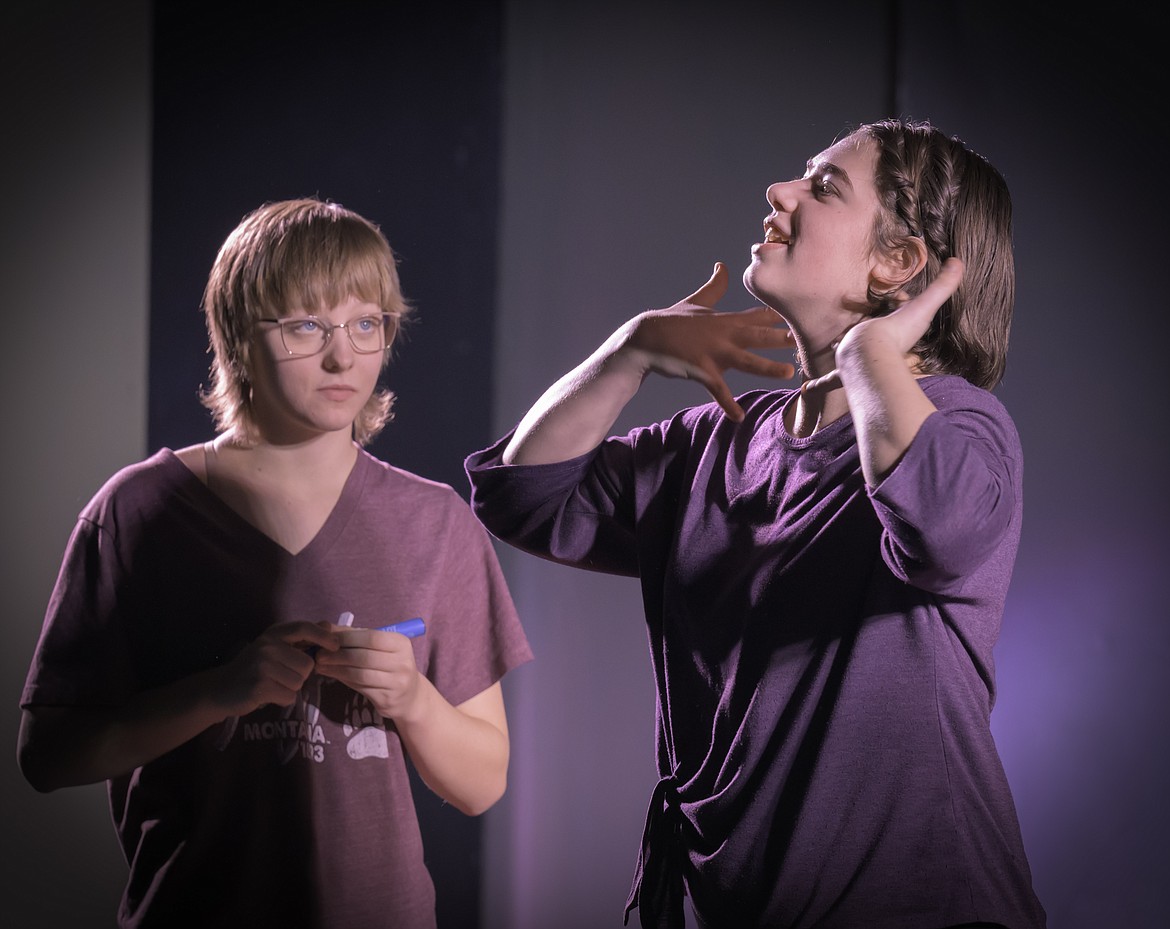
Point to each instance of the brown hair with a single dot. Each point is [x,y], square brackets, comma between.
[304,254]
[934,187]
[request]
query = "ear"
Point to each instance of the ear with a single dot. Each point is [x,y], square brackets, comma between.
[895,268]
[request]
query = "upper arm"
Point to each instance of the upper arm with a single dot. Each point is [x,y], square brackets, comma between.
[488,706]
[953,500]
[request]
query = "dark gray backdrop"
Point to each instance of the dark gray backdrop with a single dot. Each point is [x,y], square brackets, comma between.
[634,143]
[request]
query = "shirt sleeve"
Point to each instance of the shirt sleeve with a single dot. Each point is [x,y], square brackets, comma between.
[82,656]
[955,496]
[484,639]
[578,512]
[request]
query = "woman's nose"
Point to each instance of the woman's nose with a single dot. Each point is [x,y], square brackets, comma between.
[338,354]
[782,195]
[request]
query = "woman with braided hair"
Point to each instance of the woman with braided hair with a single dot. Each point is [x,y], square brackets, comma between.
[823,568]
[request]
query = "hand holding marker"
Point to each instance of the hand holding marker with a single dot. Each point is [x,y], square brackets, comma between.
[411,628]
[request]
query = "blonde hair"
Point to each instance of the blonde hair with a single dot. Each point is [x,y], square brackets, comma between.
[293,254]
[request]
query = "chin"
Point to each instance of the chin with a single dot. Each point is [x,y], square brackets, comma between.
[749,274]
[756,288]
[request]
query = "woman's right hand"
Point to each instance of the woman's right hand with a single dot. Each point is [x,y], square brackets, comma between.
[691,340]
[273,668]
[687,340]
[60,746]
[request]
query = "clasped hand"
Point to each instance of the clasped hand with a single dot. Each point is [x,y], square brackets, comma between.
[274,667]
[378,664]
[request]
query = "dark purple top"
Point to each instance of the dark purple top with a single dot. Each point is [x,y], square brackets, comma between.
[299,816]
[822,654]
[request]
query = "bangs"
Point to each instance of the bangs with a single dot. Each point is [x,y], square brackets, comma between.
[317,264]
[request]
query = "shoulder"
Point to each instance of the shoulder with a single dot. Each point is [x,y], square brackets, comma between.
[698,423]
[139,495]
[385,476]
[975,410]
[140,484]
[402,490]
[949,391]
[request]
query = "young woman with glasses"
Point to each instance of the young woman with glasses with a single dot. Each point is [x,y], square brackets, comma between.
[214,647]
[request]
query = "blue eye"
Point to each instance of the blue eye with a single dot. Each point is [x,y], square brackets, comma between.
[367,324]
[303,326]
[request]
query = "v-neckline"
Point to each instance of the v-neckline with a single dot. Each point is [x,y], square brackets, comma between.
[322,541]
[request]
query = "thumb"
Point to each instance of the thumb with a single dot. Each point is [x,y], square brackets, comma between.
[822,384]
[711,292]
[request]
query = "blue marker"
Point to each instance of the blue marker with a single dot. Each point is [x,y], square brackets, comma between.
[411,628]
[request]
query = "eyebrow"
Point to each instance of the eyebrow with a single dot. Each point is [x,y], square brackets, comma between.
[827,167]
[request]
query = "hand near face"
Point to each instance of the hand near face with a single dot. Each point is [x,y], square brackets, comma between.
[897,333]
[378,664]
[691,340]
[273,668]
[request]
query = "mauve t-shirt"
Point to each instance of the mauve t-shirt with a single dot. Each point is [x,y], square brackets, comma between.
[299,816]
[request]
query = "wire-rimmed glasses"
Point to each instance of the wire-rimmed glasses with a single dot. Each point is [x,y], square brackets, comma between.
[308,335]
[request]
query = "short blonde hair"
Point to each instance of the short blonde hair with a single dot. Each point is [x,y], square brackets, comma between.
[304,254]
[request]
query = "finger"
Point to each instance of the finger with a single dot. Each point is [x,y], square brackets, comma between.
[822,384]
[288,678]
[721,394]
[711,292]
[375,639]
[302,632]
[936,293]
[753,364]
[310,636]
[913,317]
[764,315]
[759,337]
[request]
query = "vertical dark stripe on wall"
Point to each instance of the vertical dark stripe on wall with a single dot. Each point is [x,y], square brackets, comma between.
[895,98]
[392,109]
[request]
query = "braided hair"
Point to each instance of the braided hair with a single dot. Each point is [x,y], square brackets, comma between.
[934,187]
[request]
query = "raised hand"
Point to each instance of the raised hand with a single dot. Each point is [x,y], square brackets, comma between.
[886,402]
[688,340]
[691,340]
[898,331]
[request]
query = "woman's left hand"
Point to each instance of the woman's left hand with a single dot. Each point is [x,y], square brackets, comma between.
[899,330]
[378,664]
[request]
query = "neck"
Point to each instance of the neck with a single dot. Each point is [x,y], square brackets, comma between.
[330,453]
[812,411]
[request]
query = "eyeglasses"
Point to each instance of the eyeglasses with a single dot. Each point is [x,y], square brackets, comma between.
[308,335]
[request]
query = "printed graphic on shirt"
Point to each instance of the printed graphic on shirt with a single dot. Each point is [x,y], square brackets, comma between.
[300,732]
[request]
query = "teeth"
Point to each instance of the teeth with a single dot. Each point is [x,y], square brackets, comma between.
[773,235]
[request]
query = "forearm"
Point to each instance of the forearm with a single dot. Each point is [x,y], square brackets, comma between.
[887,405]
[460,752]
[576,414]
[68,746]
